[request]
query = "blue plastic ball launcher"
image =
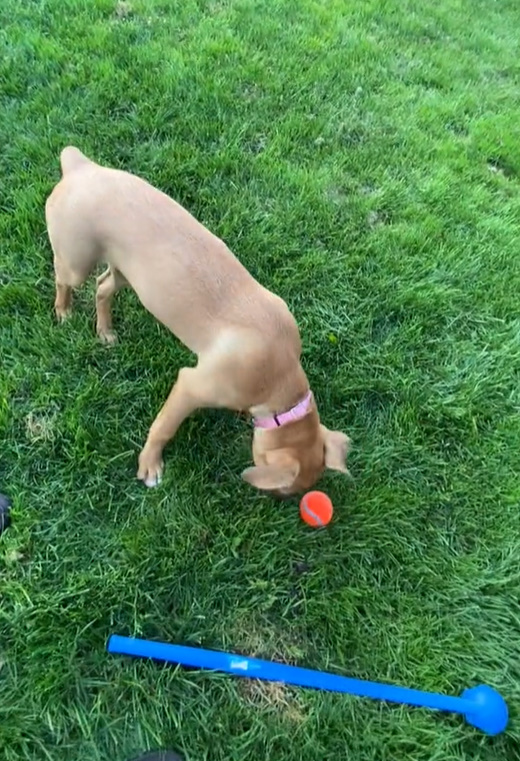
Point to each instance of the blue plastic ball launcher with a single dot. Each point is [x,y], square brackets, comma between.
[482,706]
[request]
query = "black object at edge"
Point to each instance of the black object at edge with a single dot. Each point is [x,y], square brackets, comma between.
[5,518]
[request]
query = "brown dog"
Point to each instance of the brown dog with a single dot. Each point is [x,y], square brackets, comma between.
[246,340]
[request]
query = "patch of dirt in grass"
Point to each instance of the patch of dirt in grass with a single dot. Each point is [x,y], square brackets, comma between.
[274,696]
[40,426]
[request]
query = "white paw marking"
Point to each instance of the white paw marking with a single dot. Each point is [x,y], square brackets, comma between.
[153,481]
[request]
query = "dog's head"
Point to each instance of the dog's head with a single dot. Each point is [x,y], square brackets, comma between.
[290,459]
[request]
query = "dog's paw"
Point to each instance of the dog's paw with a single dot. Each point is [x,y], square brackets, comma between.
[62,313]
[107,337]
[150,469]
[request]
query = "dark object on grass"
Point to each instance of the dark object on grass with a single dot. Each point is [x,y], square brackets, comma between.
[159,755]
[5,508]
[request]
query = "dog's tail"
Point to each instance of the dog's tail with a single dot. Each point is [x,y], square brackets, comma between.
[71,158]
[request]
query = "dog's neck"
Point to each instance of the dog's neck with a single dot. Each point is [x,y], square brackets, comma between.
[292,415]
[291,396]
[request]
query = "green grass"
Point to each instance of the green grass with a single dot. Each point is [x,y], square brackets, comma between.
[363,160]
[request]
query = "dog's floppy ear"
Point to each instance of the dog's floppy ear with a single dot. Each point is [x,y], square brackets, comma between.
[337,447]
[280,472]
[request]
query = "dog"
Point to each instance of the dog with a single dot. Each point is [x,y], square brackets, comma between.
[246,340]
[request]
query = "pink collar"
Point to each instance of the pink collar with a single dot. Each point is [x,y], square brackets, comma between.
[291,416]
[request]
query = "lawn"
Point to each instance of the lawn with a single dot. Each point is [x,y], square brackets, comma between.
[363,160]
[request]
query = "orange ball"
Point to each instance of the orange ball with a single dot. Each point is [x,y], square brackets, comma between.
[316,509]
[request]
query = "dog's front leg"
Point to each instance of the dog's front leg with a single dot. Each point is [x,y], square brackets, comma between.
[108,284]
[184,398]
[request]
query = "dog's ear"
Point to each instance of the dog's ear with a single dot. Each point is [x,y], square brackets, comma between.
[337,447]
[280,472]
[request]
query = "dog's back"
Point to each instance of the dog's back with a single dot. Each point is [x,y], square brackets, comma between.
[182,273]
